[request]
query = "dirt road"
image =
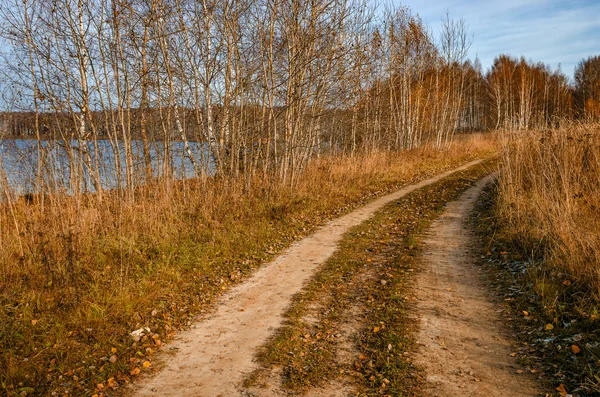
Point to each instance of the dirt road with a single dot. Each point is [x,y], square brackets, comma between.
[462,347]
[213,357]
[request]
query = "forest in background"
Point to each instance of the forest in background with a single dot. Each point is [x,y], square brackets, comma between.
[266,85]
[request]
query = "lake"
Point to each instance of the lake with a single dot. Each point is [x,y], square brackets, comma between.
[20,160]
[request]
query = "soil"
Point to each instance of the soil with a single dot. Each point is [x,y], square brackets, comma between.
[462,346]
[213,357]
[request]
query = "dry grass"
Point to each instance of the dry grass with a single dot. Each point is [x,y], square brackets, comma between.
[541,225]
[550,198]
[76,275]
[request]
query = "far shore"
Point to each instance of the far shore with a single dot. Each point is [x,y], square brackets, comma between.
[101,137]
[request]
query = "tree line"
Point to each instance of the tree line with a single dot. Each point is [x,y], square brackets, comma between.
[264,85]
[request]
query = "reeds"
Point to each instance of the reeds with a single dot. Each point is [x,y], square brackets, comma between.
[550,198]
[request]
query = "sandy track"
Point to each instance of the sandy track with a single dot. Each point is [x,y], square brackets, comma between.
[217,352]
[462,347]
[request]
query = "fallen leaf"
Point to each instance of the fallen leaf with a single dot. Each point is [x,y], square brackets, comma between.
[549,327]
[135,371]
[567,282]
[525,313]
[376,329]
[112,383]
[113,350]
[575,349]
[561,389]
[34,322]
[147,364]
[519,371]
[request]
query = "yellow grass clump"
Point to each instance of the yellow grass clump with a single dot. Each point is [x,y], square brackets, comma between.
[549,198]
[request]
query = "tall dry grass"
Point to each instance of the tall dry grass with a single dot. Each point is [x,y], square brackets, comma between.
[549,198]
[77,275]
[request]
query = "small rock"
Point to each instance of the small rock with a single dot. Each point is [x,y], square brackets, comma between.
[112,359]
[383,282]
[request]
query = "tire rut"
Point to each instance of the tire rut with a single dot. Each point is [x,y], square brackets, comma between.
[462,346]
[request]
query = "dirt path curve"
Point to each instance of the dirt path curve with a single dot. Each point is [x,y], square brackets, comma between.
[214,356]
[461,345]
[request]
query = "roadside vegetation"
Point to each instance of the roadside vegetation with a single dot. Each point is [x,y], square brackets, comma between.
[542,225]
[78,276]
[351,327]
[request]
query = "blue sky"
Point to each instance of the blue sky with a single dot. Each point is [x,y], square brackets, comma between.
[549,31]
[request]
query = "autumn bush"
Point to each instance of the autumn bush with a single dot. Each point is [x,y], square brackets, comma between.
[549,198]
[77,274]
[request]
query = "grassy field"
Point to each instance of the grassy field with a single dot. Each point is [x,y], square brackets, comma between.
[542,224]
[77,276]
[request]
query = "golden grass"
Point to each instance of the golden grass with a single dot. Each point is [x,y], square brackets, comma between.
[550,197]
[77,275]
